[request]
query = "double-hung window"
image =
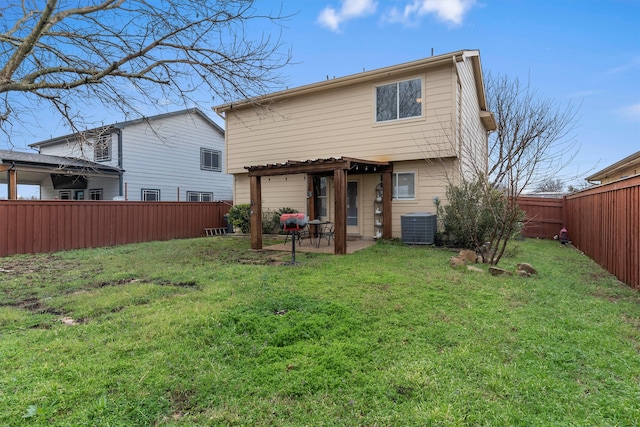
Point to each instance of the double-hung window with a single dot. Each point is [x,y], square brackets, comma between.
[102,147]
[210,159]
[404,185]
[399,100]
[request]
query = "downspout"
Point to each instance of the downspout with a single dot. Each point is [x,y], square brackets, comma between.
[121,177]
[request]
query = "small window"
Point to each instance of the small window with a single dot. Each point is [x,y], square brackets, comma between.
[399,100]
[199,196]
[78,195]
[150,195]
[95,194]
[102,147]
[404,186]
[64,195]
[210,160]
[321,192]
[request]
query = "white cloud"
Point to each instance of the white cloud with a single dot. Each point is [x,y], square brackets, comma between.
[332,18]
[451,11]
[631,113]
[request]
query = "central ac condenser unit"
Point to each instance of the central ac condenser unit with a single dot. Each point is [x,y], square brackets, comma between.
[419,228]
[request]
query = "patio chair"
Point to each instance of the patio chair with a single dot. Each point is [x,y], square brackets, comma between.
[327,232]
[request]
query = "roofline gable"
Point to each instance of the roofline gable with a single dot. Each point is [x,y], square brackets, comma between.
[121,125]
[365,76]
[627,161]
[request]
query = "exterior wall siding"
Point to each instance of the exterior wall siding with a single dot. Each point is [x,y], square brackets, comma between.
[342,122]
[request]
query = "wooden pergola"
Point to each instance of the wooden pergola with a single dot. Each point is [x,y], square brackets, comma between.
[339,168]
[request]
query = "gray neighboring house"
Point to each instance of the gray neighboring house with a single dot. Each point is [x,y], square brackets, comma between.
[176,156]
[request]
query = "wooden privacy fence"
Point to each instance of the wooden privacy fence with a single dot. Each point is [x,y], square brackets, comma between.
[33,226]
[545,217]
[603,222]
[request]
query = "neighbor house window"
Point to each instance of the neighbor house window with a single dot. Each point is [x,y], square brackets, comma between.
[399,100]
[102,147]
[199,196]
[150,195]
[404,185]
[64,195]
[210,159]
[95,194]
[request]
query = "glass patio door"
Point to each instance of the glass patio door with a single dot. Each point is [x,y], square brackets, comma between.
[353,225]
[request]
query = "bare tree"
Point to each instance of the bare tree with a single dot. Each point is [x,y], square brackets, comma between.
[550,185]
[124,54]
[532,143]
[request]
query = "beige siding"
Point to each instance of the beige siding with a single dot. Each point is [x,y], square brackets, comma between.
[473,142]
[337,123]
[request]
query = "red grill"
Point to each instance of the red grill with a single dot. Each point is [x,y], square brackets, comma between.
[293,221]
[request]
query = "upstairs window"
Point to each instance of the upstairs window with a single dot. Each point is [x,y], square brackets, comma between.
[399,100]
[102,147]
[210,160]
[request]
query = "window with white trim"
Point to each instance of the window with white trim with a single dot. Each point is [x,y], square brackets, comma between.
[199,196]
[95,194]
[64,195]
[400,100]
[210,159]
[404,185]
[102,147]
[150,195]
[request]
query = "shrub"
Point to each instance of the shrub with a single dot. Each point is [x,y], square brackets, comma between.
[240,217]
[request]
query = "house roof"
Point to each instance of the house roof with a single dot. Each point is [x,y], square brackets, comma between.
[629,161]
[473,55]
[59,162]
[121,125]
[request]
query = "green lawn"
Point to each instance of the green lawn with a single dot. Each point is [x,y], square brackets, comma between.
[207,332]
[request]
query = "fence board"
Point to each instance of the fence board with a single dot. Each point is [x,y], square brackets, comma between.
[31,226]
[544,216]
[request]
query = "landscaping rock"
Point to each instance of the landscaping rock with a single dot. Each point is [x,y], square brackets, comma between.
[468,256]
[474,268]
[527,267]
[456,261]
[497,271]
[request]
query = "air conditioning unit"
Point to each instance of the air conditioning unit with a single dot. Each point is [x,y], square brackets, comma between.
[419,228]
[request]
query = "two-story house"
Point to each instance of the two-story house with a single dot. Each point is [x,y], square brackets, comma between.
[168,157]
[361,150]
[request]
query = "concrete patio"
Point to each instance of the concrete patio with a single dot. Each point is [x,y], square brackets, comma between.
[309,245]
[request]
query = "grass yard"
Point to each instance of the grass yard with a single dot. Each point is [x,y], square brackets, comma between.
[207,332]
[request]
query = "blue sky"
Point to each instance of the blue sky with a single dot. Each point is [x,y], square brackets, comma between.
[584,52]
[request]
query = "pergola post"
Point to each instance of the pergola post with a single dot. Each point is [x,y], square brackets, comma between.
[340,225]
[255,193]
[387,195]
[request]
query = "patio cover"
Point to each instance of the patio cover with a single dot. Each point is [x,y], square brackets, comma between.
[339,168]
[33,168]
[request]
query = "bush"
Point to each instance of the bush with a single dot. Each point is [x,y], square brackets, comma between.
[468,219]
[240,217]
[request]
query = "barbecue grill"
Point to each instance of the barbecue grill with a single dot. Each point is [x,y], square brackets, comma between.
[294,223]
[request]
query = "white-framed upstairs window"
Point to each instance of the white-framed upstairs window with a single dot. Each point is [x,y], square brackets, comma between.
[399,100]
[210,159]
[149,195]
[102,147]
[64,195]
[199,196]
[404,186]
